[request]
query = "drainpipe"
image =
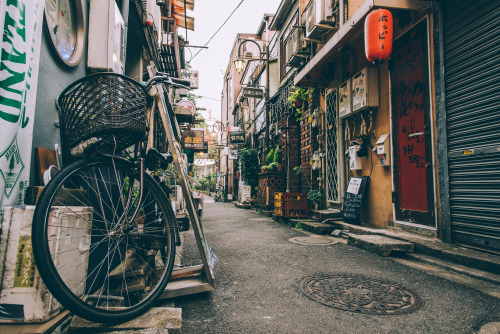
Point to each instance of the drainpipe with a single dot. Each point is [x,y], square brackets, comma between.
[288,154]
[125,12]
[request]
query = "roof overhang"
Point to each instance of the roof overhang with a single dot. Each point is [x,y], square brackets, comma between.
[315,73]
[281,14]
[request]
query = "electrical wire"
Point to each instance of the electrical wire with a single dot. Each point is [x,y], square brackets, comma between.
[218,29]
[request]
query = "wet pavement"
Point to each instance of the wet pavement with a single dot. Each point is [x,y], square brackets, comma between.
[262,264]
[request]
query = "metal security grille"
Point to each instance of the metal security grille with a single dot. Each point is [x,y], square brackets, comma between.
[332,172]
[472,80]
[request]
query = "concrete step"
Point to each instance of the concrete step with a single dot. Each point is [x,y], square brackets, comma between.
[156,320]
[321,215]
[383,246]
[432,247]
[313,226]
[267,213]
[457,268]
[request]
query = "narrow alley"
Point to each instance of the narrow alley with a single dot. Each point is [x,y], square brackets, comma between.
[259,272]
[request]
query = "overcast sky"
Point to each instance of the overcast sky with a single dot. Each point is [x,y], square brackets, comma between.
[212,62]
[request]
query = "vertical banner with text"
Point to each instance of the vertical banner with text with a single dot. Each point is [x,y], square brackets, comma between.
[21,23]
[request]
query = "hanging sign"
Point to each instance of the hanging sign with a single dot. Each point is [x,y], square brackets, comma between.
[236,137]
[192,76]
[378,35]
[232,154]
[193,140]
[186,104]
[253,92]
[21,22]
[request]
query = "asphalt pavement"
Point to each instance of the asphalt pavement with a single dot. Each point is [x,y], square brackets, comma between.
[259,273]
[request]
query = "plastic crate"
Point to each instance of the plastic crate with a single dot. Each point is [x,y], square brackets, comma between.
[290,205]
[295,209]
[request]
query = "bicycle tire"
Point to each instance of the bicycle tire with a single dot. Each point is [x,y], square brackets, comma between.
[94,259]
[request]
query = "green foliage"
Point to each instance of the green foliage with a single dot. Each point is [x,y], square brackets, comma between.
[270,156]
[208,182]
[271,167]
[297,98]
[298,171]
[314,196]
[277,155]
[249,164]
[298,226]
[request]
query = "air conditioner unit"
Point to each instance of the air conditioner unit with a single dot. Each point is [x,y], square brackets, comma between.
[320,16]
[106,45]
[296,49]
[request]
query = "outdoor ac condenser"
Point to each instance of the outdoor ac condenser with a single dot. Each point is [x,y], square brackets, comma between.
[106,46]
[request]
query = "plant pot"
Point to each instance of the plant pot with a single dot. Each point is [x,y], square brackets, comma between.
[298,103]
[279,168]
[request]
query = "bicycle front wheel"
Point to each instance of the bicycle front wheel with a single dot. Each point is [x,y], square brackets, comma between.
[102,253]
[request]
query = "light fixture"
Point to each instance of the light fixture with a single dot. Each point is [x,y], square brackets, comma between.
[239,63]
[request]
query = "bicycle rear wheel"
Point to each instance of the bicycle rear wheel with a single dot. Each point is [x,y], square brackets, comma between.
[99,259]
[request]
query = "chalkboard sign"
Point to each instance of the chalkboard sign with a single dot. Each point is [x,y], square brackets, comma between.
[353,199]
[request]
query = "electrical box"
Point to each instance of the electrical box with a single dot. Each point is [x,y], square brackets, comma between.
[355,162]
[365,89]
[345,99]
[106,44]
[382,150]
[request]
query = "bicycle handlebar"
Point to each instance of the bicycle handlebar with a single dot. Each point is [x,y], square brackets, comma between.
[168,80]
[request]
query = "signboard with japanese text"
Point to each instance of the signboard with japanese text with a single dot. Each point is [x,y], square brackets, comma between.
[193,140]
[236,137]
[192,76]
[253,92]
[21,22]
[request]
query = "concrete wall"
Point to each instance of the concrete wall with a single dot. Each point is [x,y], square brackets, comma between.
[53,77]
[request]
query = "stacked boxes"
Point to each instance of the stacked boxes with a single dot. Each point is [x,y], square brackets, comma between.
[290,205]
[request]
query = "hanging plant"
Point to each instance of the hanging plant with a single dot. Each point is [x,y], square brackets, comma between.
[297,98]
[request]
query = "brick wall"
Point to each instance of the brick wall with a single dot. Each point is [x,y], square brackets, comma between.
[309,144]
[294,150]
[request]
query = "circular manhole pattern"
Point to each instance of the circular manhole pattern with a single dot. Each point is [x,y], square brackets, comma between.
[360,294]
[320,241]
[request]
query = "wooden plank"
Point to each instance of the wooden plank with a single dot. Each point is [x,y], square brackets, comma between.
[44,159]
[41,328]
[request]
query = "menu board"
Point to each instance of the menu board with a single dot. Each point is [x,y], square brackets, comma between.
[351,209]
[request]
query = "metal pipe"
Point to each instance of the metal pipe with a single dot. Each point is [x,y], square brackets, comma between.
[288,154]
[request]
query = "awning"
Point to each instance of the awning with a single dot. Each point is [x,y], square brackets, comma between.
[317,73]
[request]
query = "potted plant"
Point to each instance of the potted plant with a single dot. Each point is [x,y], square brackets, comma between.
[249,164]
[314,198]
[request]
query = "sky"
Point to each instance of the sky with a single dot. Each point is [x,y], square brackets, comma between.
[212,62]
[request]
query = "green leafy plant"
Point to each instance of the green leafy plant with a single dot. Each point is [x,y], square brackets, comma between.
[271,167]
[314,197]
[298,172]
[297,98]
[249,164]
[270,156]
[277,155]
[298,226]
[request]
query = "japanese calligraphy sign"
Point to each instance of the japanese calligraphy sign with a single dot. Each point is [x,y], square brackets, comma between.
[21,23]
[25,264]
[236,137]
[378,35]
[192,76]
[193,140]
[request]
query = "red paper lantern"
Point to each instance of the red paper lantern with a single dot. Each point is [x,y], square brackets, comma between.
[378,35]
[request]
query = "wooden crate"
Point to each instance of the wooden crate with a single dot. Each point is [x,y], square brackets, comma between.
[269,184]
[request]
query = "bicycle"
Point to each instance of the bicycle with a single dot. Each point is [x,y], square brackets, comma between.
[104,232]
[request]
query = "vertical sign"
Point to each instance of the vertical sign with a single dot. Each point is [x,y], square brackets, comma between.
[21,23]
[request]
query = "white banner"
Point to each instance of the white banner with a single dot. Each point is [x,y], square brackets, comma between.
[21,23]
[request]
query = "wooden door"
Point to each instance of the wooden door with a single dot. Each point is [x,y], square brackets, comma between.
[412,143]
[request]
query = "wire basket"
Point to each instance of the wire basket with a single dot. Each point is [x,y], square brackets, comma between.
[102,113]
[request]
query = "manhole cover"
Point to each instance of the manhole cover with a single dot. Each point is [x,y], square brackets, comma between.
[361,294]
[320,241]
